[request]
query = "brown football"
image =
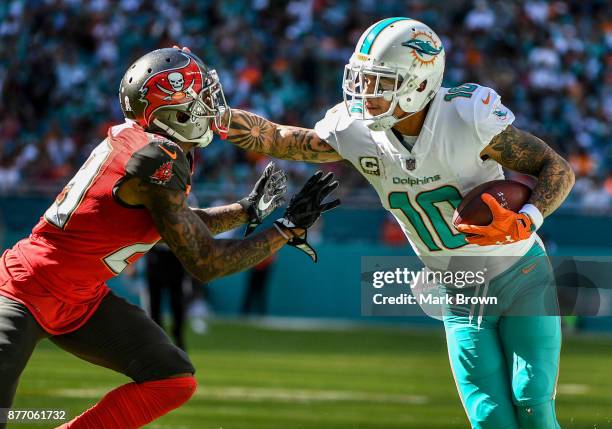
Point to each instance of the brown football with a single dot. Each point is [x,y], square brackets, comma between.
[473,211]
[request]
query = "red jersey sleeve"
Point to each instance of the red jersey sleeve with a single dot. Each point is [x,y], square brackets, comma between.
[163,163]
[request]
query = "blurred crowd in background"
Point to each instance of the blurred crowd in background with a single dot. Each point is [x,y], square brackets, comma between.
[61,62]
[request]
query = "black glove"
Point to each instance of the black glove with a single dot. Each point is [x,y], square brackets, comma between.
[306,207]
[265,197]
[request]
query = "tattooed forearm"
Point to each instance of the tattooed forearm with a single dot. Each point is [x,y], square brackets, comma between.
[523,152]
[237,255]
[221,219]
[255,133]
[191,241]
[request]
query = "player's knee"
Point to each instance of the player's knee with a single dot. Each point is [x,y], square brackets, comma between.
[541,416]
[160,362]
[173,360]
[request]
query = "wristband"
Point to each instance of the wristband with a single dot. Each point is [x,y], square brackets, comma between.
[245,203]
[534,214]
[281,232]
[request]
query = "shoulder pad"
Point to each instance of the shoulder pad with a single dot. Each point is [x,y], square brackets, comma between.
[481,109]
[338,119]
[338,127]
[474,103]
[161,162]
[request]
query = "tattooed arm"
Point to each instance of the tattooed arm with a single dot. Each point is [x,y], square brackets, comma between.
[222,218]
[191,241]
[255,133]
[523,152]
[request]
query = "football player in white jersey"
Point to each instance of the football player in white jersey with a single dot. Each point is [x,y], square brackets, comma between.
[423,147]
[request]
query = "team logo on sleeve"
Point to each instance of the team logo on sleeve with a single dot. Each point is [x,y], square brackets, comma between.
[424,48]
[370,165]
[171,87]
[163,174]
[501,114]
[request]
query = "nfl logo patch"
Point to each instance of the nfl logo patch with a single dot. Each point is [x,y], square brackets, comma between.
[410,164]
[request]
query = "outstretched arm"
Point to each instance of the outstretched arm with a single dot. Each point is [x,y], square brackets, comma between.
[205,257]
[266,196]
[222,218]
[523,152]
[255,133]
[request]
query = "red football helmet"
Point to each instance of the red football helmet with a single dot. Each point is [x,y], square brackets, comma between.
[172,92]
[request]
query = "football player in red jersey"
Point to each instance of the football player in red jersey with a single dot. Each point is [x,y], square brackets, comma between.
[130,192]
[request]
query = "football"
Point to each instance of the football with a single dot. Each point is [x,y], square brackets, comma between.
[473,211]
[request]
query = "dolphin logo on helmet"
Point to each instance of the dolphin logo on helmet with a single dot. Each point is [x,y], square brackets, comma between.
[422,46]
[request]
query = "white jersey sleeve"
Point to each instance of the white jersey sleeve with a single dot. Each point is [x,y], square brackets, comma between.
[336,121]
[484,112]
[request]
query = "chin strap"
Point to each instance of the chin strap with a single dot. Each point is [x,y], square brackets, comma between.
[202,141]
[386,123]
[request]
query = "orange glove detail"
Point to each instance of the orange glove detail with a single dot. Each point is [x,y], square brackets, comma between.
[505,228]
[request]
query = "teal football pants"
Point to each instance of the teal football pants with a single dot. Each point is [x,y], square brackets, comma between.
[506,366]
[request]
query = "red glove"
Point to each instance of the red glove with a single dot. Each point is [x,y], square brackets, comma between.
[506,226]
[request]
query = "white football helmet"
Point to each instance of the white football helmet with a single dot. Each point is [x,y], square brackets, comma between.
[391,60]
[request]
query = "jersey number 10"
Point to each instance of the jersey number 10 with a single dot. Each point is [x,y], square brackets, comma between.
[427,202]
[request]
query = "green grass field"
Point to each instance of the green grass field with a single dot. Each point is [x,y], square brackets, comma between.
[375,378]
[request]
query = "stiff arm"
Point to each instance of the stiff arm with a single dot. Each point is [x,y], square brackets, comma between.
[252,132]
[525,153]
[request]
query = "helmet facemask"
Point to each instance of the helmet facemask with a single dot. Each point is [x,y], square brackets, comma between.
[361,83]
[396,86]
[191,123]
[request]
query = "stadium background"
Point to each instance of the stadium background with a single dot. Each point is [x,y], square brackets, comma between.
[60,65]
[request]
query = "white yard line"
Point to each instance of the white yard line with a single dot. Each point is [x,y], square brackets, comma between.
[256,394]
[573,389]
